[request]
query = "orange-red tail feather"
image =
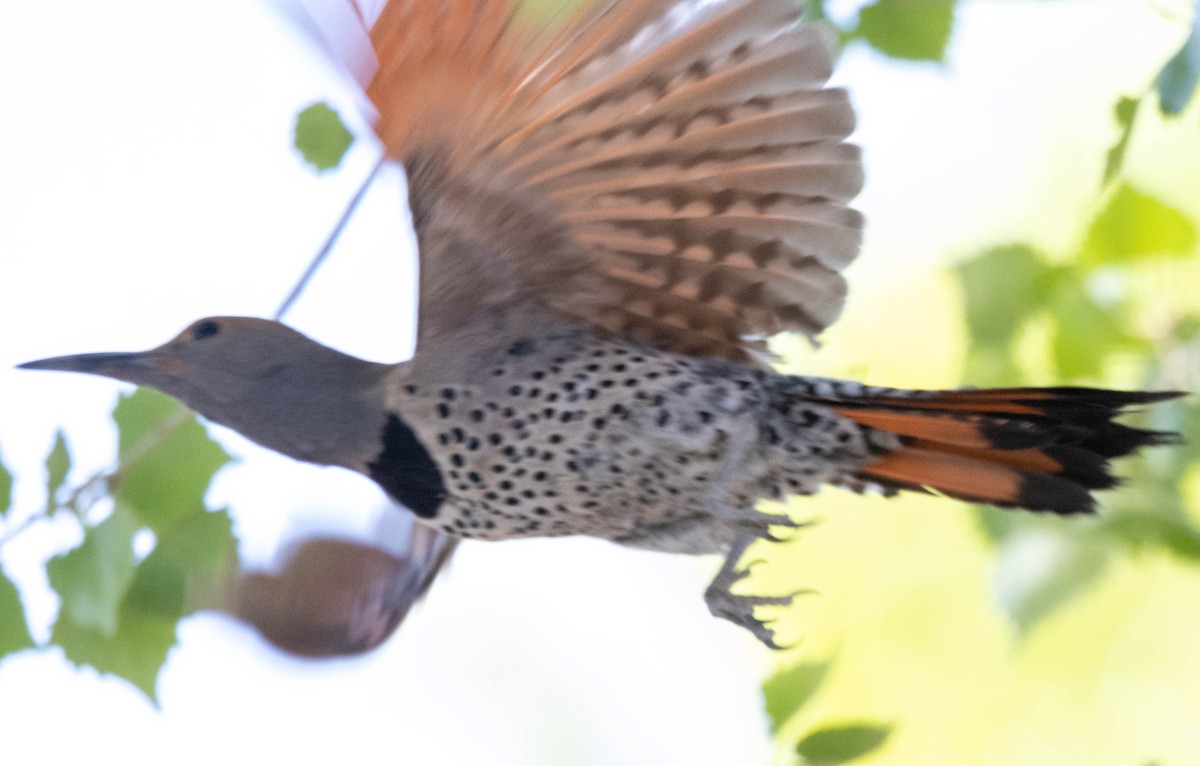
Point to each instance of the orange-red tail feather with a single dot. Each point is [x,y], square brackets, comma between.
[1042,449]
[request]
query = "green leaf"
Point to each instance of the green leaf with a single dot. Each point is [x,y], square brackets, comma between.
[14,631]
[1126,112]
[191,558]
[58,463]
[997,524]
[1176,83]
[1000,287]
[186,563]
[136,651]
[907,29]
[91,580]
[166,470]
[1141,531]
[6,484]
[842,744]
[814,10]
[1135,225]
[1085,334]
[120,618]
[790,689]
[321,137]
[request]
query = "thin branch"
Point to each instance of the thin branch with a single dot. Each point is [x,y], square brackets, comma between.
[75,502]
[24,525]
[140,449]
[323,253]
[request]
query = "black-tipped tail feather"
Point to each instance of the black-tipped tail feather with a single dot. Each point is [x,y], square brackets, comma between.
[1041,449]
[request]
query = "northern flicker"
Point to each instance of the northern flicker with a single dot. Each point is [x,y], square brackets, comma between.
[613,213]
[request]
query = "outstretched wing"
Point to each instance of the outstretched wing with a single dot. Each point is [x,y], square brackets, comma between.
[336,597]
[672,172]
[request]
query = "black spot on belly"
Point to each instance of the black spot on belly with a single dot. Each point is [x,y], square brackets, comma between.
[407,472]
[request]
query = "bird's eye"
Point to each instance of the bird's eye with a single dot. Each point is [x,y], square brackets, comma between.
[205,329]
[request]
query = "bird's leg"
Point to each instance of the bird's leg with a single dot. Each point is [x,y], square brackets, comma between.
[751,525]
[723,602]
[733,458]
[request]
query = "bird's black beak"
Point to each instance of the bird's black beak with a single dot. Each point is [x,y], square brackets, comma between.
[141,367]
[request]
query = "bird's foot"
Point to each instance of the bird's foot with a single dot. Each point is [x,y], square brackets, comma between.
[739,609]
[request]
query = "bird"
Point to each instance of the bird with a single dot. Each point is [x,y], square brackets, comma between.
[614,212]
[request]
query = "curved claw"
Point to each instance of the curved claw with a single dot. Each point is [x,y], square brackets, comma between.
[740,610]
[773,644]
[761,525]
[745,571]
[794,532]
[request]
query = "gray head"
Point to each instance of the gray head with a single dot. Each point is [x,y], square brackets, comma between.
[262,379]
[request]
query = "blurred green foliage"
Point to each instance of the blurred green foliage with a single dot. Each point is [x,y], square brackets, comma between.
[841,744]
[1176,83]
[1087,316]
[1079,303]
[915,30]
[1011,288]
[6,483]
[58,463]
[156,438]
[14,631]
[121,601]
[790,689]
[152,597]
[1125,112]
[904,29]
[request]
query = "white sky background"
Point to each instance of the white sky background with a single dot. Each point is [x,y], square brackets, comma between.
[147,179]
